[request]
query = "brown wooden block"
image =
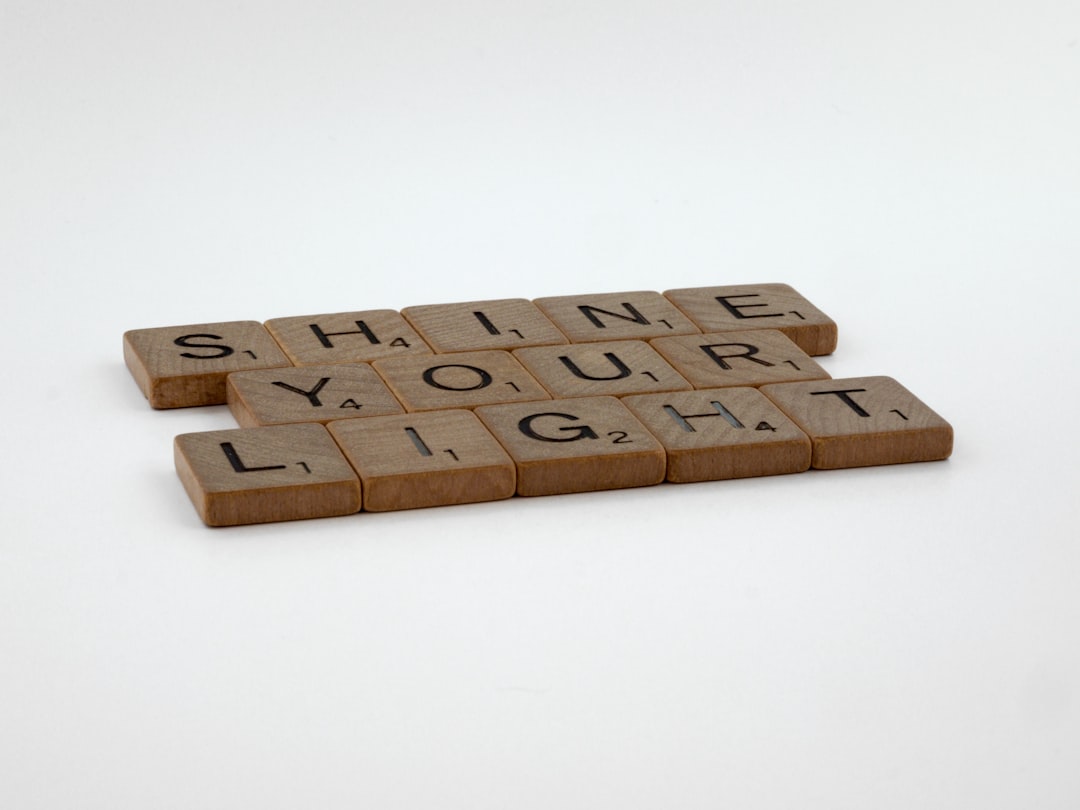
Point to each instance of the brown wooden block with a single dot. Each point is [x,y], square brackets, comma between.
[616,368]
[722,433]
[266,474]
[616,316]
[503,324]
[861,421]
[759,306]
[575,445]
[346,337]
[308,394]
[738,359]
[183,366]
[425,459]
[463,380]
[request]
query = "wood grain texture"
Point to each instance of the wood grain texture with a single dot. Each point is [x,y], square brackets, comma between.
[308,394]
[508,323]
[722,433]
[346,337]
[186,366]
[738,359]
[863,421]
[425,459]
[576,445]
[614,368]
[615,316]
[459,380]
[266,474]
[759,306]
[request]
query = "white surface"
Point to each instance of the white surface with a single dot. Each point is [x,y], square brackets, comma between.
[887,638]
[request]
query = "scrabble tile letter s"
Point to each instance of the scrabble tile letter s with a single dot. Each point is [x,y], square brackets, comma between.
[184,366]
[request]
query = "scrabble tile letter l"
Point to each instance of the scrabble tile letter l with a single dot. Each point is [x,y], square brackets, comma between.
[266,474]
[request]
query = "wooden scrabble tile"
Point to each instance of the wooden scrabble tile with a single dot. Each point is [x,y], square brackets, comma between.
[503,324]
[575,445]
[183,366]
[738,359]
[861,421]
[722,433]
[266,474]
[425,459]
[346,337]
[615,368]
[616,316]
[758,306]
[308,394]
[462,380]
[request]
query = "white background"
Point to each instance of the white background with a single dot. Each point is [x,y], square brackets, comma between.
[901,637]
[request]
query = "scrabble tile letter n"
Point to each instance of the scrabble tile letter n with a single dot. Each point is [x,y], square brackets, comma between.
[184,366]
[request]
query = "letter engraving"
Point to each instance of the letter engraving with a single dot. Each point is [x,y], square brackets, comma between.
[222,351]
[621,369]
[483,378]
[721,359]
[312,395]
[418,443]
[620,437]
[324,337]
[582,432]
[683,421]
[238,465]
[491,328]
[737,309]
[634,316]
[847,400]
[894,410]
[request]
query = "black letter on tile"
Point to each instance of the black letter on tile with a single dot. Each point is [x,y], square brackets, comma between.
[324,337]
[583,432]
[634,316]
[312,395]
[484,378]
[684,420]
[737,309]
[239,466]
[621,369]
[720,360]
[222,351]
[843,395]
